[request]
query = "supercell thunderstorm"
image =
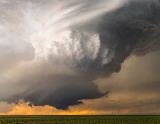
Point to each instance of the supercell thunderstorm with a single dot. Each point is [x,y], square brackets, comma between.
[52,51]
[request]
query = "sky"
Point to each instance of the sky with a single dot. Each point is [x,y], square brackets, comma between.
[79,57]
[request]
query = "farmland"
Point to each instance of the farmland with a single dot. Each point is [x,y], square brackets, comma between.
[88,119]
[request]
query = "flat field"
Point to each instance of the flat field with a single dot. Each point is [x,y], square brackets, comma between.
[88,119]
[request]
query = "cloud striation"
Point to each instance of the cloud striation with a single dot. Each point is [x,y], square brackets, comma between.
[52,51]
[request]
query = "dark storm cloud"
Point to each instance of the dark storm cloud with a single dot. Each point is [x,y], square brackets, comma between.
[69,92]
[93,49]
[132,29]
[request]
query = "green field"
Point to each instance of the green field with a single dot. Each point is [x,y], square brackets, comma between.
[93,119]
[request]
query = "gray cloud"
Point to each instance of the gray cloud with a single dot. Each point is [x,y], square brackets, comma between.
[71,47]
[67,91]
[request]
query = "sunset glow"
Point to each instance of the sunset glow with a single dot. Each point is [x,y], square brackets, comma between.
[79,57]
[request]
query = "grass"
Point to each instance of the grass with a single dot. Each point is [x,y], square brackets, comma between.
[88,119]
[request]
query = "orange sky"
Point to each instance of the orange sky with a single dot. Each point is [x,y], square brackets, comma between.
[105,55]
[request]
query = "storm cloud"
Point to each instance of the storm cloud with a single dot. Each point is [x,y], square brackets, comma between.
[52,51]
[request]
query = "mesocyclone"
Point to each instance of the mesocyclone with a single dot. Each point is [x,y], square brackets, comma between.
[52,51]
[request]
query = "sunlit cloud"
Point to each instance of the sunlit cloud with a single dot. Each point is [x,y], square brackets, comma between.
[60,56]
